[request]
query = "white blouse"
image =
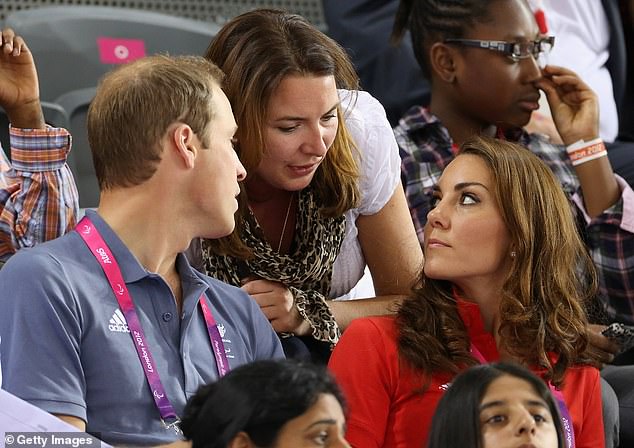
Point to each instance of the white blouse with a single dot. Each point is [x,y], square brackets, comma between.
[380,173]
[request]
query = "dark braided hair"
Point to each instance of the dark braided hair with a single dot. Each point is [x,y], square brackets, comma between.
[431,21]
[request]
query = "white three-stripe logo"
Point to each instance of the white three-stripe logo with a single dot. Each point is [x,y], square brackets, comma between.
[118,323]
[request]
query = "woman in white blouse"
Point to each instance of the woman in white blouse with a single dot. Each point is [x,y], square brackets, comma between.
[323,197]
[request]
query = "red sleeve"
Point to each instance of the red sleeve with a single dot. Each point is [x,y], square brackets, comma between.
[365,364]
[592,433]
[582,393]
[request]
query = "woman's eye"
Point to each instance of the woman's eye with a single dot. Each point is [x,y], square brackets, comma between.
[329,117]
[540,418]
[287,129]
[321,438]
[468,199]
[496,419]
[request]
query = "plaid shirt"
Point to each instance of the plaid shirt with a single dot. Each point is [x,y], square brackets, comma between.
[38,196]
[426,148]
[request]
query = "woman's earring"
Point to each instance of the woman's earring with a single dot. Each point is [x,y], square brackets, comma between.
[513,254]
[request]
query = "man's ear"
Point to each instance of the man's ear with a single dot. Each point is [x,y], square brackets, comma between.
[183,141]
[442,59]
[241,440]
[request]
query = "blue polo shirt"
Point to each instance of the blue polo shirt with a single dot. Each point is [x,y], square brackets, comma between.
[66,347]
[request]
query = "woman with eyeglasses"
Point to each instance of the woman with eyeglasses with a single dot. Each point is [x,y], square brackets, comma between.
[487,64]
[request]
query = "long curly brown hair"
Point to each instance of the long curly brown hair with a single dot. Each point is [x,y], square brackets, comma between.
[542,309]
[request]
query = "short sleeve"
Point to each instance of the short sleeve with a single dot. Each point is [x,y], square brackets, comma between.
[380,163]
[41,331]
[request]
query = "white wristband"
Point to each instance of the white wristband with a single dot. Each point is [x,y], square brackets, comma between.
[582,151]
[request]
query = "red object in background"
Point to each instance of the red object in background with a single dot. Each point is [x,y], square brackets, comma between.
[120,51]
[540,17]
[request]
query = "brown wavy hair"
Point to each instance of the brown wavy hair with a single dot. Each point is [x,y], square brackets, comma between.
[550,280]
[257,50]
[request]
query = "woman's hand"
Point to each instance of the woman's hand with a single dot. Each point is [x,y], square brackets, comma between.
[574,106]
[278,305]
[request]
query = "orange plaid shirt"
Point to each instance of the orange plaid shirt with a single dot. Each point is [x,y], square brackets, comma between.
[38,196]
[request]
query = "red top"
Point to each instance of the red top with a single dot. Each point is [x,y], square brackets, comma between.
[386,411]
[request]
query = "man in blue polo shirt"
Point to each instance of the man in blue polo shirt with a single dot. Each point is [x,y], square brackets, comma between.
[109,327]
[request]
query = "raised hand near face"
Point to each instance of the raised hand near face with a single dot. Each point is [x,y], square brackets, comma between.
[19,90]
[574,106]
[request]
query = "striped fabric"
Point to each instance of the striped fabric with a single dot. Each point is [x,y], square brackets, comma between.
[38,196]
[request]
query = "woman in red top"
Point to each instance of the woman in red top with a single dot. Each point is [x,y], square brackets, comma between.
[500,282]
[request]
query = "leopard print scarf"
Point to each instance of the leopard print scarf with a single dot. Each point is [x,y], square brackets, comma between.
[306,270]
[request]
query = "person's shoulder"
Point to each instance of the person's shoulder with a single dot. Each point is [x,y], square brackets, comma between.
[582,373]
[41,275]
[415,118]
[361,108]
[40,258]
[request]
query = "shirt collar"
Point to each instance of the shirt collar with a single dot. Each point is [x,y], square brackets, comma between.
[131,269]
[418,118]
[485,342]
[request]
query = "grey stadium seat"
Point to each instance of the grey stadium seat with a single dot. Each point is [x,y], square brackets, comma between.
[74,46]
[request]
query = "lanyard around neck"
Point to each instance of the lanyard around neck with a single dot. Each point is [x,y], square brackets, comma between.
[566,420]
[108,263]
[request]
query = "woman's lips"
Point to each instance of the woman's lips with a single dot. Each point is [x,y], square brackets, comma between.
[303,170]
[529,102]
[529,105]
[433,242]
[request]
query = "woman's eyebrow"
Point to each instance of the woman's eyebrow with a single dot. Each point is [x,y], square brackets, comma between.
[495,403]
[326,421]
[492,404]
[462,185]
[298,118]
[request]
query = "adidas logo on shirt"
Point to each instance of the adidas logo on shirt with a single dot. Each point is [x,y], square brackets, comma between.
[118,323]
